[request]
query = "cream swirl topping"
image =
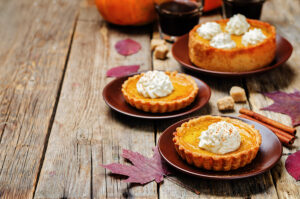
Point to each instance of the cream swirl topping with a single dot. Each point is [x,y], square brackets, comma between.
[237,25]
[222,40]
[209,30]
[220,138]
[253,37]
[154,84]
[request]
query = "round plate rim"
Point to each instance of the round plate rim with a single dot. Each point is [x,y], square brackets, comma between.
[231,74]
[208,176]
[154,117]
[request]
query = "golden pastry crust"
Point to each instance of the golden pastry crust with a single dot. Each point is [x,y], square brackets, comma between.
[218,162]
[239,59]
[164,104]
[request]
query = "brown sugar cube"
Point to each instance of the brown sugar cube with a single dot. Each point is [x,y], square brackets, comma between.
[161,51]
[157,42]
[238,94]
[225,104]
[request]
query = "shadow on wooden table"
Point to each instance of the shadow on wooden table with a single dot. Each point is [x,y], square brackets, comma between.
[262,183]
[227,188]
[282,75]
[277,79]
[136,30]
[132,122]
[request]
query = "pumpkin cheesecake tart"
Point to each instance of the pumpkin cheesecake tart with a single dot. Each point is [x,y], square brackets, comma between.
[232,45]
[160,92]
[217,143]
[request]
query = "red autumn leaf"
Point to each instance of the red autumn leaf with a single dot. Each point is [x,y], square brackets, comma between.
[292,165]
[127,47]
[286,103]
[120,71]
[143,170]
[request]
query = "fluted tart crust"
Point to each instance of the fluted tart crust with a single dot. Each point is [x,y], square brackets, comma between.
[184,93]
[186,139]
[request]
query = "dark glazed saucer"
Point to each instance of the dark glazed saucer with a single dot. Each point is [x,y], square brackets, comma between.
[268,155]
[180,52]
[113,97]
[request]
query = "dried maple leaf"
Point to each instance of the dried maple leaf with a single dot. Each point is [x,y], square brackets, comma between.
[120,71]
[292,165]
[127,47]
[286,103]
[143,170]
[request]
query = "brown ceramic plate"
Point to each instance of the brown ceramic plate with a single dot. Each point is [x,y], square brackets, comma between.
[268,155]
[113,97]
[180,52]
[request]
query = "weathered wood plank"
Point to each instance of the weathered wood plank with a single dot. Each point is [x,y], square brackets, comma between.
[88,11]
[284,15]
[86,133]
[285,78]
[183,186]
[35,38]
[286,185]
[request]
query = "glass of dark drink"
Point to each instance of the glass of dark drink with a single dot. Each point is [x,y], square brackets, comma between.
[178,17]
[250,8]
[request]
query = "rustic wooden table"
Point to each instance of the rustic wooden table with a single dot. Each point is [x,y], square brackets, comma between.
[56,130]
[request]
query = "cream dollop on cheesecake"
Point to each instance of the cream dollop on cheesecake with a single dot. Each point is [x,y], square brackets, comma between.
[237,25]
[253,37]
[223,41]
[209,30]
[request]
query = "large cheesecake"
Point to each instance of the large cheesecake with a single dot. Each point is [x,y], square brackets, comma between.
[238,58]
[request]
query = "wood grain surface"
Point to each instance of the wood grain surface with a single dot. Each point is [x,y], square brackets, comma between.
[86,133]
[56,130]
[286,79]
[34,47]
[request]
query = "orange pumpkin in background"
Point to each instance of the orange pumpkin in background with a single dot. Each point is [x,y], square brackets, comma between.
[136,12]
[211,4]
[127,12]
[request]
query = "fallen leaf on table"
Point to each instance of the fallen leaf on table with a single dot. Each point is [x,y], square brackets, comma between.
[292,165]
[143,170]
[127,47]
[286,103]
[120,71]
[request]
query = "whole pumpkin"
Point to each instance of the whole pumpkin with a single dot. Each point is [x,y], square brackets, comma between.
[127,12]
[211,4]
[136,12]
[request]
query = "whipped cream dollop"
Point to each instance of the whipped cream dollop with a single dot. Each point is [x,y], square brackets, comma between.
[209,30]
[220,138]
[253,37]
[222,40]
[237,25]
[154,84]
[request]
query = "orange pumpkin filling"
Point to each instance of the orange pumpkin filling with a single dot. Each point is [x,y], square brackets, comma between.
[182,88]
[189,137]
[186,141]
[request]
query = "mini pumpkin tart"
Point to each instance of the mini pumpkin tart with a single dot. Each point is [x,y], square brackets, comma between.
[217,143]
[236,55]
[160,92]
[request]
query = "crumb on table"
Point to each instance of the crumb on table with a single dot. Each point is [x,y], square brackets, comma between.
[238,94]
[161,52]
[225,104]
[157,42]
